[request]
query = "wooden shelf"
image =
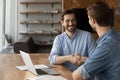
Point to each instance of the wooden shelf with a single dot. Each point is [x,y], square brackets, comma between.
[25,22]
[40,2]
[38,12]
[37,33]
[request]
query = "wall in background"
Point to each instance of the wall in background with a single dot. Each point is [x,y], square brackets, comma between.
[10,20]
[1,23]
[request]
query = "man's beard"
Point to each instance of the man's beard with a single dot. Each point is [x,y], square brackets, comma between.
[93,28]
[71,28]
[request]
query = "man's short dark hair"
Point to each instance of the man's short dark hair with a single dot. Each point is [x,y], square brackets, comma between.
[101,12]
[69,11]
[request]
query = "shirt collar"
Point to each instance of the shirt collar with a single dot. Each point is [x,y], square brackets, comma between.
[102,38]
[75,34]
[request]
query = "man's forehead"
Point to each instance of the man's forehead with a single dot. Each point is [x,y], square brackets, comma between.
[67,16]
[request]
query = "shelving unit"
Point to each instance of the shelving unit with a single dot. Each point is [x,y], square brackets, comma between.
[47,22]
[26,2]
[39,22]
[37,33]
[38,12]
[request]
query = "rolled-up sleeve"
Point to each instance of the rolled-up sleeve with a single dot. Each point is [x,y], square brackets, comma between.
[52,59]
[82,71]
[55,51]
[97,62]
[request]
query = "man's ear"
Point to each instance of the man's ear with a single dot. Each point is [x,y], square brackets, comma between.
[61,23]
[93,20]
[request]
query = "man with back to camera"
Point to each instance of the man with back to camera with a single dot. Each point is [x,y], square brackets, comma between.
[104,63]
[72,47]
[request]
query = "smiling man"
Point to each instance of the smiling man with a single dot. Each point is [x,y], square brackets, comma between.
[72,47]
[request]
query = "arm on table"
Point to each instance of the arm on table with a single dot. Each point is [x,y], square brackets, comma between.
[74,59]
[76,75]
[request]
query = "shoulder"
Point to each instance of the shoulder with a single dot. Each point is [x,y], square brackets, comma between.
[60,36]
[83,32]
[110,41]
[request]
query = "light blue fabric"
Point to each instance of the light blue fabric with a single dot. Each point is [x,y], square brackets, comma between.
[82,43]
[104,63]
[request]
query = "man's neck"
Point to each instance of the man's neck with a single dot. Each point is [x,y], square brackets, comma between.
[102,30]
[70,34]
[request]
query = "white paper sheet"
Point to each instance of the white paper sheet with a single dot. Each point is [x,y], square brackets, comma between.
[40,66]
[47,77]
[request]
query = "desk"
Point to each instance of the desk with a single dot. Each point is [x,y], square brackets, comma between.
[8,63]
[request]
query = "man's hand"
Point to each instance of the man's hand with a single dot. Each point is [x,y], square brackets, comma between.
[75,59]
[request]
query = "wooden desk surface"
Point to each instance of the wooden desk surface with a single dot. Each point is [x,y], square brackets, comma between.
[8,63]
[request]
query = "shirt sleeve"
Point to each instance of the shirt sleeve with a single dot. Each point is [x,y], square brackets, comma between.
[56,50]
[91,44]
[96,63]
[82,71]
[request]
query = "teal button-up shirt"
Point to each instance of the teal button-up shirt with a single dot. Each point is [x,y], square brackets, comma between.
[104,63]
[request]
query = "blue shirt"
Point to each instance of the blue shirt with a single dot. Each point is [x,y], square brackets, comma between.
[104,63]
[82,43]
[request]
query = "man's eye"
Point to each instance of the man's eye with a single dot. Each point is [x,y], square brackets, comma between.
[67,21]
[73,20]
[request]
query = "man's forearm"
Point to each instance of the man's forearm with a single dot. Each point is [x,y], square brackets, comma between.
[62,59]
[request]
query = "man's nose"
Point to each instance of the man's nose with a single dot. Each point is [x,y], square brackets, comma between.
[70,22]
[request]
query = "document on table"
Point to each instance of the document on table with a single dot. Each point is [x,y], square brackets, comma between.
[40,66]
[47,77]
